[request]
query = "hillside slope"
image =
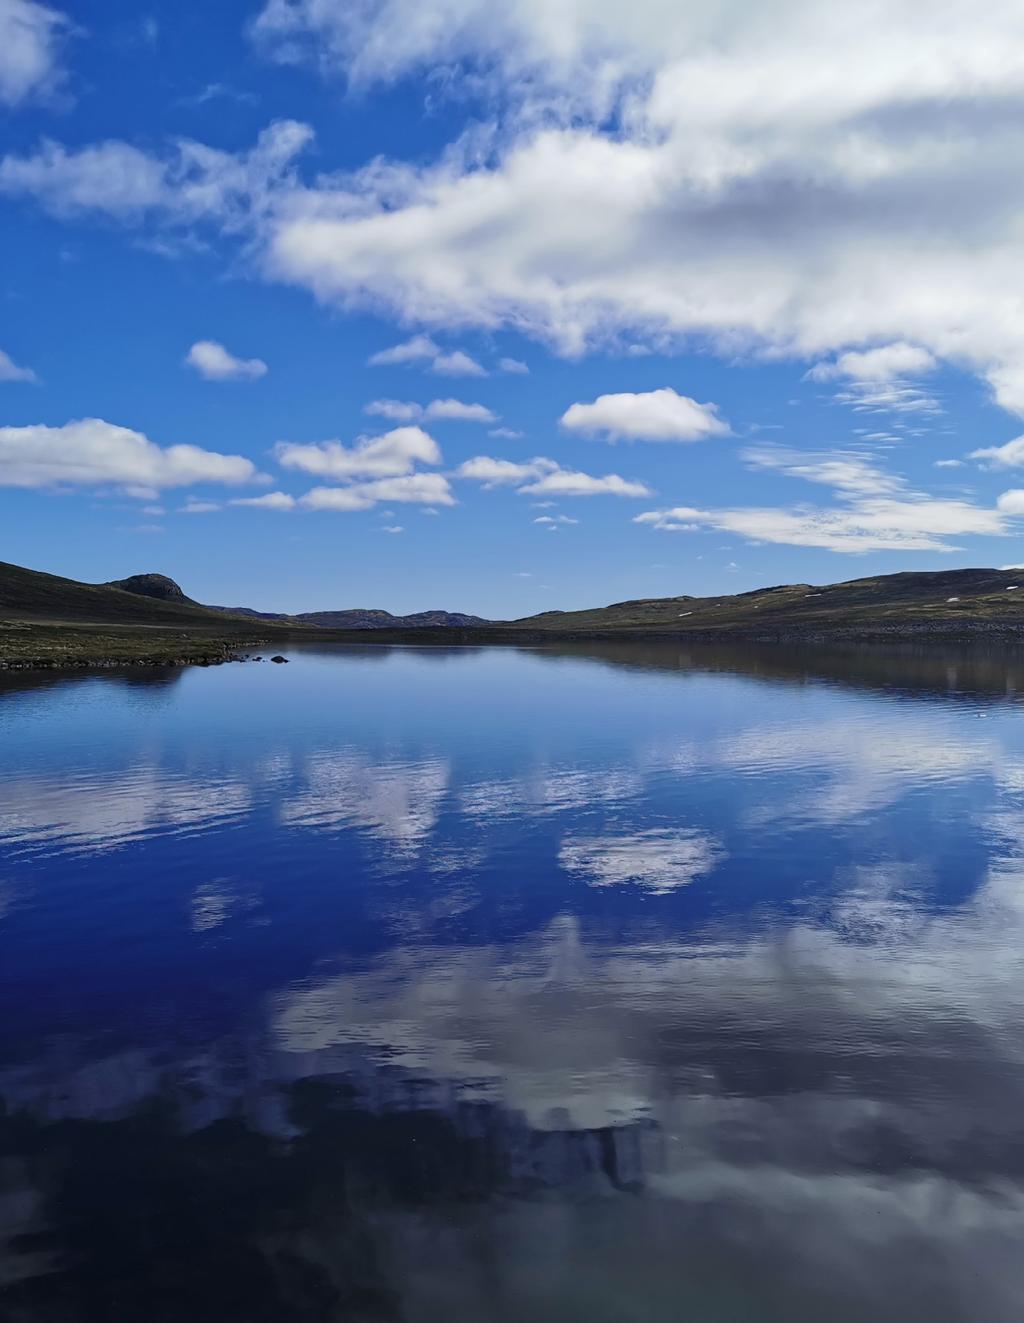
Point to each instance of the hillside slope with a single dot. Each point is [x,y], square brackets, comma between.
[942,601]
[33,595]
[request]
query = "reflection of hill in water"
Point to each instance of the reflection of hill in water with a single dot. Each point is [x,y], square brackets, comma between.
[147,678]
[980,670]
[933,669]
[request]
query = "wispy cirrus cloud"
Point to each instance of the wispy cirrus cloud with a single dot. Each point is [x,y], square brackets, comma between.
[879,511]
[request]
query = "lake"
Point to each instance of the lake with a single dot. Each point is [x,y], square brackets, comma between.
[623,983]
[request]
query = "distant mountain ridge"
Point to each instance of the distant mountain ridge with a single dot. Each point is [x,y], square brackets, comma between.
[160,588]
[940,603]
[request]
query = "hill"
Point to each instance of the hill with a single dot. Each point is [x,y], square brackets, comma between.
[369,619]
[951,603]
[51,621]
[141,600]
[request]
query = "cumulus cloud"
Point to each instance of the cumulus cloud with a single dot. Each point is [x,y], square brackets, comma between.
[271,501]
[1012,502]
[30,36]
[567,482]
[91,452]
[745,196]
[415,488]
[1008,456]
[457,411]
[656,415]
[502,472]
[193,506]
[421,349]
[190,183]
[395,453]
[555,519]
[398,411]
[754,196]
[546,477]
[514,366]
[417,350]
[10,371]
[446,410]
[457,364]
[884,363]
[212,361]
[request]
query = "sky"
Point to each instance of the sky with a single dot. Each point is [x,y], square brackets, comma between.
[314,304]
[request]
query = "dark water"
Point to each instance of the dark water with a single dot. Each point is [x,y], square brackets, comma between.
[622,985]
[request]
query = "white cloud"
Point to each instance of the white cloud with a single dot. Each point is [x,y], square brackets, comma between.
[392,528]
[423,350]
[555,519]
[754,197]
[10,371]
[194,506]
[949,464]
[415,488]
[1008,456]
[417,350]
[271,501]
[457,411]
[398,411]
[541,476]
[656,415]
[29,40]
[505,433]
[448,410]
[457,364]
[885,363]
[212,361]
[876,380]
[514,366]
[395,453]
[1012,502]
[502,472]
[566,482]
[91,452]
[910,524]
[753,193]
[880,512]
[850,474]
[190,183]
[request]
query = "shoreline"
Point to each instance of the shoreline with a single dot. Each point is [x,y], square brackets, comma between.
[81,647]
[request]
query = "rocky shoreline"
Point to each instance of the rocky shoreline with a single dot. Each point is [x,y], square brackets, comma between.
[119,663]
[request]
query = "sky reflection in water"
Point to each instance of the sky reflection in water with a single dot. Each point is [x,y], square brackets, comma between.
[628,983]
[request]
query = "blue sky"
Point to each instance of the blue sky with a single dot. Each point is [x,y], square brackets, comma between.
[716,310]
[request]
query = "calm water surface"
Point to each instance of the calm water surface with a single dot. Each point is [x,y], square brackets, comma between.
[623,985]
